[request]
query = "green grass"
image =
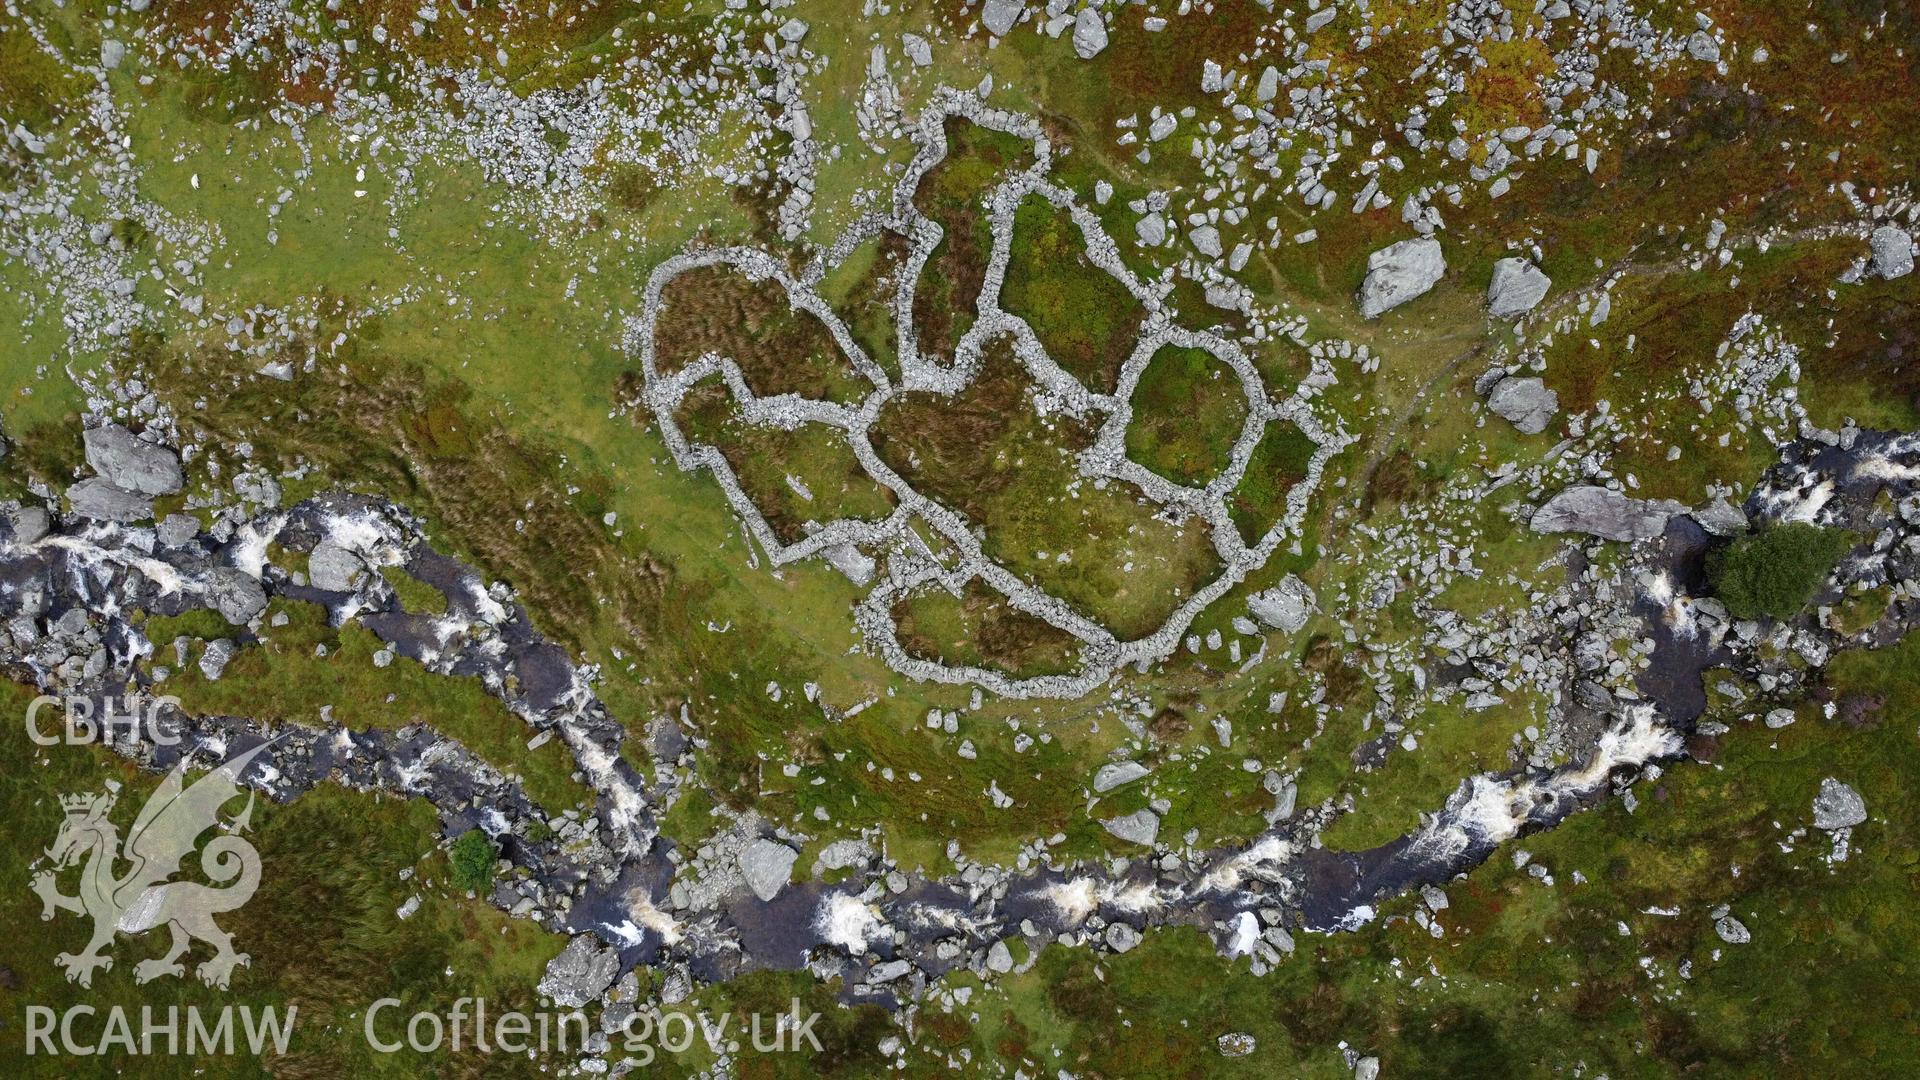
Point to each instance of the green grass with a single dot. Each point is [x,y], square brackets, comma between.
[987,454]
[764,458]
[1279,462]
[862,289]
[980,628]
[780,348]
[416,596]
[953,193]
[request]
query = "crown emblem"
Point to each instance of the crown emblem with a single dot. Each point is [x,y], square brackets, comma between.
[74,804]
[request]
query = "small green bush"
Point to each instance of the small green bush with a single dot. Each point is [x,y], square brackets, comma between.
[472,857]
[1774,572]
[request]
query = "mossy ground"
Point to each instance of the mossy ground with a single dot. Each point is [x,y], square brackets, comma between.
[1083,316]
[1187,411]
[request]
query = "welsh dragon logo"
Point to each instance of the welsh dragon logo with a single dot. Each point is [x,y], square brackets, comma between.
[142,898]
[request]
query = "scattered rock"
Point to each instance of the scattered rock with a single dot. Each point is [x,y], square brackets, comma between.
[1732,931]
[1269,84]
[1527,404]
[1605,513]
[1518,287]
[1206,240]
[767,865]
[1122,937]
[131,463]
[1837,806]
[581,973]
[889,971]
[1400,272]
[1235,1044]
[1367,1068]
[841,854]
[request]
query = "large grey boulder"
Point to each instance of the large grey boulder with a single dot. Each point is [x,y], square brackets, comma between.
[581,973]
[214,660]
[1206,240]
[1892,252]
[888,971]
[1721,518]
[333,568]
[1000,15]
[767,865]
[1116,774]
[1269,85]
[177,529]
[851,561]
[1837,806]
[1518,287]
[131,463]
[1398,273]
[236,595]
[102,500]
[1140,827]
[30,523]
[1287,606]
[1598,511]
[918,49]
[1527,404]
[999,958]
[1121,937]
[1089,34]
